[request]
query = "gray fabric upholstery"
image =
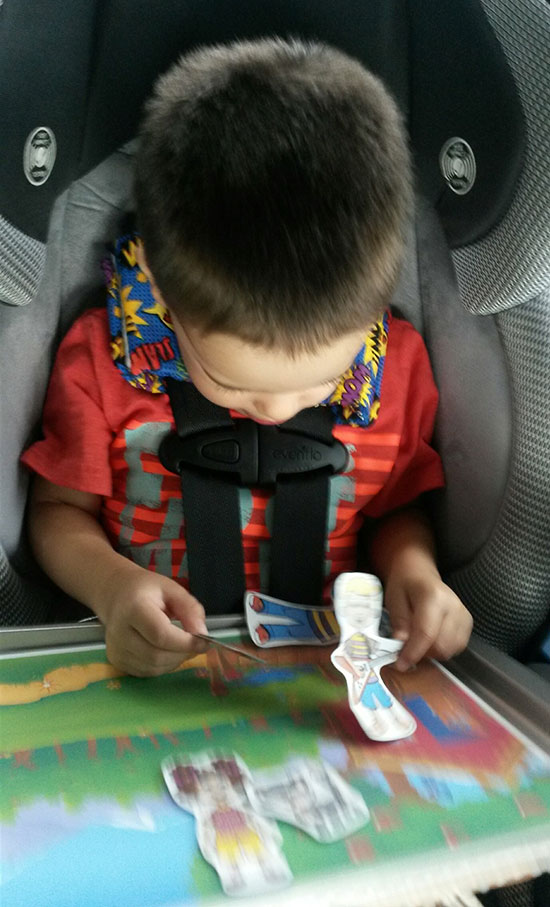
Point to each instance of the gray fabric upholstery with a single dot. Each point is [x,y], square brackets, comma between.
[512,263]
[508,584]
[493,432]
[474,424]
[507,274]
[531,893]
[82,219]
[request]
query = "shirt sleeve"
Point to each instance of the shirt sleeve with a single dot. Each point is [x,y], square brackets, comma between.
[74,451]
[411,394]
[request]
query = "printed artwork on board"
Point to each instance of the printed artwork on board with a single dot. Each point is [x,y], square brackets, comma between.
[82,748]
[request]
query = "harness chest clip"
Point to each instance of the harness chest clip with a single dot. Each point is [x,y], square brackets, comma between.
[255,455]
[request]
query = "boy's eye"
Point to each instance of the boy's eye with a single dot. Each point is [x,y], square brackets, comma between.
[226,390]
[330,383]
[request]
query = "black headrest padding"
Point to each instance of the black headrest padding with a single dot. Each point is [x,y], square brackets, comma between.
[134,50]
[461,85]
[84,69]
[46,52]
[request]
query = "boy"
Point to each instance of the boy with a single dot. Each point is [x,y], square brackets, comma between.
[272,187]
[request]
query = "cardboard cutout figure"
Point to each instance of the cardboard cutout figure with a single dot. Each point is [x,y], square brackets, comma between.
[242,846]
[363,653]
[274,622]
[311,795]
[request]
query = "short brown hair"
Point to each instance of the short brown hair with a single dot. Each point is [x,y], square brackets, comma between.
[272,184]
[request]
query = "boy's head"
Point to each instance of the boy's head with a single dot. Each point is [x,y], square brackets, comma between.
[272,186]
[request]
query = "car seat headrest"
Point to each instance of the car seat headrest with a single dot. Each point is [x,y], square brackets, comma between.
[97,65]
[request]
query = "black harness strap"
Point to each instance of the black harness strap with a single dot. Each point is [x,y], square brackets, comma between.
[297,560]
[210,506]
[214,454]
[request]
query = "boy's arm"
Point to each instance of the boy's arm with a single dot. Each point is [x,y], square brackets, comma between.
[424,611]
[135,605]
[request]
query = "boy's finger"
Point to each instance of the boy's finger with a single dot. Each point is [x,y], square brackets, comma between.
[424,633]
[400,616]
[138,657]
[157,629]
[188,610]
[453,638]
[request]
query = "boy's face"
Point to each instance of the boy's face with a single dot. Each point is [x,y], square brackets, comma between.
[266,385]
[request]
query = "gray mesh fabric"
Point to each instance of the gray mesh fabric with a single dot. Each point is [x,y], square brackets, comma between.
[516,895]
[21,263]
[512,264]
[531,893]
[508,585]
[21,602]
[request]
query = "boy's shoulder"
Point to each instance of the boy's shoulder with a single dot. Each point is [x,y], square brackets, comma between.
[406,346]
[404,332]
[86,358]
[90,326]
[86,339]
[87,343]
[408,376]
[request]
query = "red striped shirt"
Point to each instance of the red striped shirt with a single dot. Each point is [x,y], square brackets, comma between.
[101,436]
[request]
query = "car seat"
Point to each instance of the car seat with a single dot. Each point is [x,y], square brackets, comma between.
[473,81]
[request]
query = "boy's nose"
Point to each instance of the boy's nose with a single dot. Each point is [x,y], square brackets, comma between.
[277,409]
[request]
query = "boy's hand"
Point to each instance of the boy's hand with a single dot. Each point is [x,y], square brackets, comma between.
[424,612]
[135,605]
[137,611]
[427,614]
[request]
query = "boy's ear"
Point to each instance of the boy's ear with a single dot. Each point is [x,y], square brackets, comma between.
[141,259]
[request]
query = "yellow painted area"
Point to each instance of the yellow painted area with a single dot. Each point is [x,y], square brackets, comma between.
[361,584]
[70,679]
[329,617]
